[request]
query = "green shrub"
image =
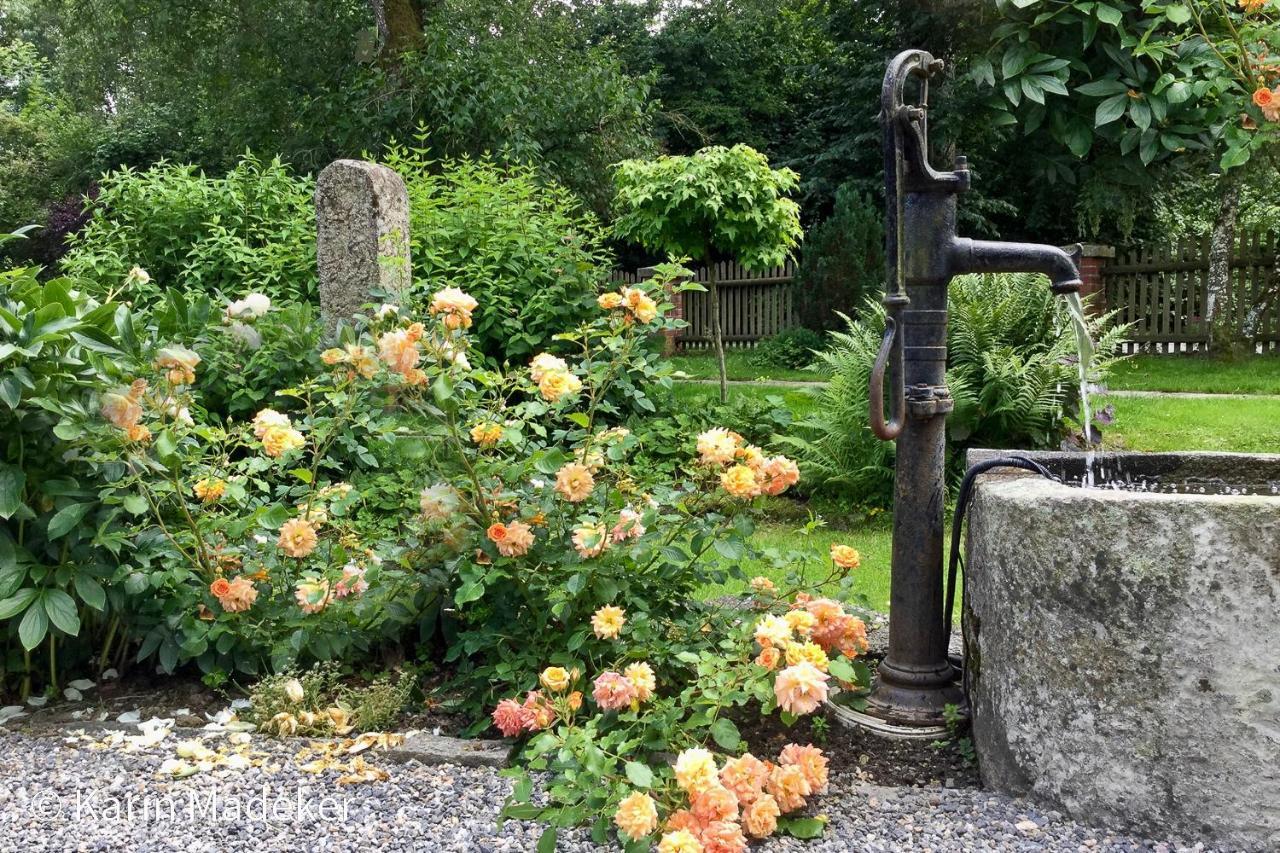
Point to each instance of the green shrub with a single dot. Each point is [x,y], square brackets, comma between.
[793,349]
[1011,370]
[842,262]
[250,230]
[521,245]
[66,556]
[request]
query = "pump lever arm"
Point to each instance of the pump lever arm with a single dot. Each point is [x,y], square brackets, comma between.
[890,349]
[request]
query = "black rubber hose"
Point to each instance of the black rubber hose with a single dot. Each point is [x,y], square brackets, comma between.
[962,506]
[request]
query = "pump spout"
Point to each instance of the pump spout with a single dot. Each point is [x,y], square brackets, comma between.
[978,256]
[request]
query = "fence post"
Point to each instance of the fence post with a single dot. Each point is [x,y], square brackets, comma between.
[669,336]
[1093,259]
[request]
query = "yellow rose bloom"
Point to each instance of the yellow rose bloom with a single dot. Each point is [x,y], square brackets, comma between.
[637,816]
[773,631]
[555,679]
[486,434]
[845,557]
[266,419]
[717,446]
[801,621]
[645,309]
[807,652]
[607,622]
[209,490]
[558,384]
[642,679]
[609,301]
[696,770]
[333,356]
[740,481]
[278,441]
[680,841]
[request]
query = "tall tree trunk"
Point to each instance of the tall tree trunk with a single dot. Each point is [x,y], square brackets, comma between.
[399,25]
[714,293]
[1218,308]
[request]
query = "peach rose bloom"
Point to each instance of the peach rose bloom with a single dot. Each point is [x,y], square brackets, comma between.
[682,819]
[680,841]
[574,482]
[516,541]
[607,622]
[609,301]
[1264,97]
[637,816]
[297,537]
[454,306]
[714,802]
[781,474]
[645,309]
[121,408]
[810,760]
[751,456]
[745,776]
[788,787]
[438,502]
[760,819]
[590,540]
[138,433]
[768,658]
[538,712]
[180,364]
[740,481]
[722,836]
[800,689]
[312,595]
[696,770]
[240,595]
[398,349]
[628,526]
[760,583]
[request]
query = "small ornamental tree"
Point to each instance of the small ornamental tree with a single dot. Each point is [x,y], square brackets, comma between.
[718,203]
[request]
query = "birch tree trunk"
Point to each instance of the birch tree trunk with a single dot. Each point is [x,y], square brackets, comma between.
[714,295]
[1218,311]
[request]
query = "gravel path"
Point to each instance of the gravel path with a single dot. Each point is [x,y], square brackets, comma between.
[60,797]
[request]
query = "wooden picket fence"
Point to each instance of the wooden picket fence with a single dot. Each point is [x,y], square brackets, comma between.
[754,305]
[1161,289]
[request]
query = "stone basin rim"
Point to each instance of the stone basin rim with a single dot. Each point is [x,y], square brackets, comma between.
[1240,470]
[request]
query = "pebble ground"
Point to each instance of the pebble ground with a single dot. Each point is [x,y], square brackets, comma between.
[60,797]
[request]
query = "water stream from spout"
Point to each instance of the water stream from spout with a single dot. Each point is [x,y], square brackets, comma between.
[1084,362]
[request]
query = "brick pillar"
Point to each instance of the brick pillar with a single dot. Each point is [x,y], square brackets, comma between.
[1093,258]
[669,336]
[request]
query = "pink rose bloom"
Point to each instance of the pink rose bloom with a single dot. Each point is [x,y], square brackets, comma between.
[613,691]
[628,526]
[509,717]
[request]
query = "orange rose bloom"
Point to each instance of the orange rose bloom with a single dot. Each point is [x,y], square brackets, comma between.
[220,587]
[760,819]
[1264,97]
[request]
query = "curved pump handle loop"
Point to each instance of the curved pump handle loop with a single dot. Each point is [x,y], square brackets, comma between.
[890,346]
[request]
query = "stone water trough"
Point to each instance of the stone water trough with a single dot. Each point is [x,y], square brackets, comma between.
[1124,644]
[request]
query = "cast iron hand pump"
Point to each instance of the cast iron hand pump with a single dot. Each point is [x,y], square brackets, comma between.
[916,680]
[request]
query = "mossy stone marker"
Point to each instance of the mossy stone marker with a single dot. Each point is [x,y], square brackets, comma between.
[362,237]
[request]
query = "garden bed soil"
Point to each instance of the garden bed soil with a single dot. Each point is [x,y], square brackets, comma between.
[872,758]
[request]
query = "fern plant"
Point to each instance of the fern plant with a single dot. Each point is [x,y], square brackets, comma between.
[1012,370]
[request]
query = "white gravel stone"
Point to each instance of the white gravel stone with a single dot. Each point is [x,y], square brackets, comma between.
[58,797]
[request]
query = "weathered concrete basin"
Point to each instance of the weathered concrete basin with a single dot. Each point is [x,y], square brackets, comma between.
[1124,646]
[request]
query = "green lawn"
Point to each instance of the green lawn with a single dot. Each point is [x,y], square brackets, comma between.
[1259,374]
[1163,423]
[801,401]
[738,365]
[872,540]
